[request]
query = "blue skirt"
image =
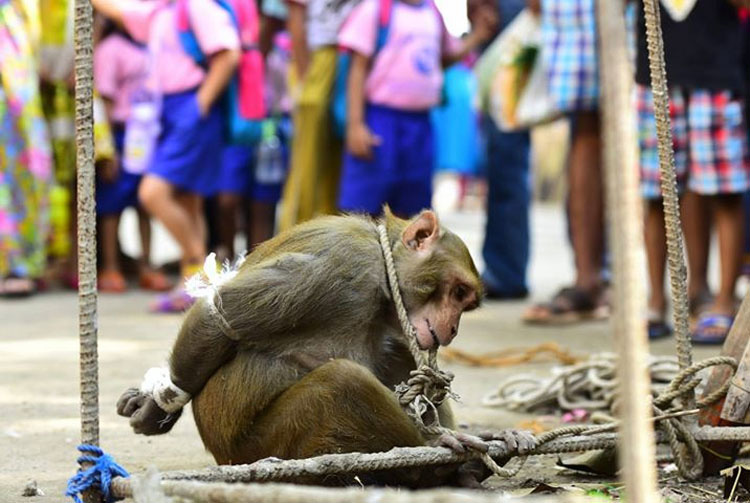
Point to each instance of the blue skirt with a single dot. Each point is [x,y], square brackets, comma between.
[237,176]
[189,148]
[400,171]
[113,197]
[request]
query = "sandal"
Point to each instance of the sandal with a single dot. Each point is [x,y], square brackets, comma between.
[153,281]
[657,326]
[569,305]
[176,301]
[111,281]
[712,328]
[15,287]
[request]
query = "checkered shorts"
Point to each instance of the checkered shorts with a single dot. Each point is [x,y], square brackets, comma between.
[570,54]
[709,139]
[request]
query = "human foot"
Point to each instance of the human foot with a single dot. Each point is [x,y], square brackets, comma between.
[112,281]
[569,305]
[16,287]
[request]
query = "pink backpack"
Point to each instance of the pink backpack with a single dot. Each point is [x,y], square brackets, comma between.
[245,107]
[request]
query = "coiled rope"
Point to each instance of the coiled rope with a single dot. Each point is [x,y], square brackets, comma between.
[591,385]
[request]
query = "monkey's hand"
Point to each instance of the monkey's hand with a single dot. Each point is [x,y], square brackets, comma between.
[521,441]
[146,417]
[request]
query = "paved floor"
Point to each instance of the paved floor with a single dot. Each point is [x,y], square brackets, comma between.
[39,425]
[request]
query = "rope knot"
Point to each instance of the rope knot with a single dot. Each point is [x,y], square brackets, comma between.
[98,475]
[431,383]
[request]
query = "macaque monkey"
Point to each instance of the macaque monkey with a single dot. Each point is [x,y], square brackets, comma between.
[309,350]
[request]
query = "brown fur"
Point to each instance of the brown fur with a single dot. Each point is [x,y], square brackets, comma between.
[318,349]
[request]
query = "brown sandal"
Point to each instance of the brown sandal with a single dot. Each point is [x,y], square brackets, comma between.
[153,281]
[112,281]
[569,305]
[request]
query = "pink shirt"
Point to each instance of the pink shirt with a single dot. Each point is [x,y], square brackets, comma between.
[154,23]
[120,69]
[407,73]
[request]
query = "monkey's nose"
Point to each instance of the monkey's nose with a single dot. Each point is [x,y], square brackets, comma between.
[454,331]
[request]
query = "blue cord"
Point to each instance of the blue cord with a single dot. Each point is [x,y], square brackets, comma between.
[99,475]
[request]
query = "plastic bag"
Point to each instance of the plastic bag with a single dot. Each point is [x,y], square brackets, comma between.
[512,78]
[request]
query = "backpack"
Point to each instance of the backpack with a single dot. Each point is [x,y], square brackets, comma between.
[243,99]
[338,101]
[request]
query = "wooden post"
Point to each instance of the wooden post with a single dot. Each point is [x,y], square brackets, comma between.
[735,345]
[636,445]
[737,402]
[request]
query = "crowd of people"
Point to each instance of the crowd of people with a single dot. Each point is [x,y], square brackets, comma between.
[210,114]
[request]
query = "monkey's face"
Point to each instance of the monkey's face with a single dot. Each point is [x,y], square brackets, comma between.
[438,278]
[436,322]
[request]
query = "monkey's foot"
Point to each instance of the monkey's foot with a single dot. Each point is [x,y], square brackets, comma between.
[521,441]
[461,442]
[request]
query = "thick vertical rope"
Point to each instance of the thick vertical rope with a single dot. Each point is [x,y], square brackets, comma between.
[86,222]
[675,253]
[637,445]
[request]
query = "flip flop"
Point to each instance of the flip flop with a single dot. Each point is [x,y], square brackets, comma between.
[153,281]
[657,325]
[569,305]
[708,327]
[176,301]
[112,281]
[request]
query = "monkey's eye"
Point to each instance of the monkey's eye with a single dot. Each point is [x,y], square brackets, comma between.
[460,292]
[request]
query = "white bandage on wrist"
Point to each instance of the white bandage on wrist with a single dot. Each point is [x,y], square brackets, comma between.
[168,396]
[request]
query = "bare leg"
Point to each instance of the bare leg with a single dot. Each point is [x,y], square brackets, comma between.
[261,223]
[696,222]
[227,222]
[159,199]
[586,202]
[729,226]
[108,225]
[144,228]
[656,252]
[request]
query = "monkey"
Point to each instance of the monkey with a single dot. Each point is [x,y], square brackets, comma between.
[299,353]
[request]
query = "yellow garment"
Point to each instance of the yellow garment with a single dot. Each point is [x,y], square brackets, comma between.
[312,185]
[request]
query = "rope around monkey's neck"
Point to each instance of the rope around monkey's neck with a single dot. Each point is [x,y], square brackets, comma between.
[428,386]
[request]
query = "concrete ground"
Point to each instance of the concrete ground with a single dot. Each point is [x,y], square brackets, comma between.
[39,422]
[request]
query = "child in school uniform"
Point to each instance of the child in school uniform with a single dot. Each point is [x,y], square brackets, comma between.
[255,176]
[390,150]
[120,69]
[704,46]
[183,167]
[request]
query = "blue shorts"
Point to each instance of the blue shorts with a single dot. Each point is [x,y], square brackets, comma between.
[400,171]
[189,145]
[113,197]
[237,176]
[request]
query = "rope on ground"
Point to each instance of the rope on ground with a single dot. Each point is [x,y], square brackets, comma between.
[589,385]
[98,475]
[592,385]
[512,356]
[288,493]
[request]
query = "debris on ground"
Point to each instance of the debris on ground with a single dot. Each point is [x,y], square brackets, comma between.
[32,489]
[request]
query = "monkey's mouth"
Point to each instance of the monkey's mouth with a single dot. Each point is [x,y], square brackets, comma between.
[432,333]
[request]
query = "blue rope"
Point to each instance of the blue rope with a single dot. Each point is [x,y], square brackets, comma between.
[98,475]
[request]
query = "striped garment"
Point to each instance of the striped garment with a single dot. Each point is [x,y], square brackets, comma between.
[570,53]
[709,139]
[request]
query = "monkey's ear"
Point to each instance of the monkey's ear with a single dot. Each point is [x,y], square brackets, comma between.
[421,232]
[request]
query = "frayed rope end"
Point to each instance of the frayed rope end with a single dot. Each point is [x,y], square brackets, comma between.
[206,283]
